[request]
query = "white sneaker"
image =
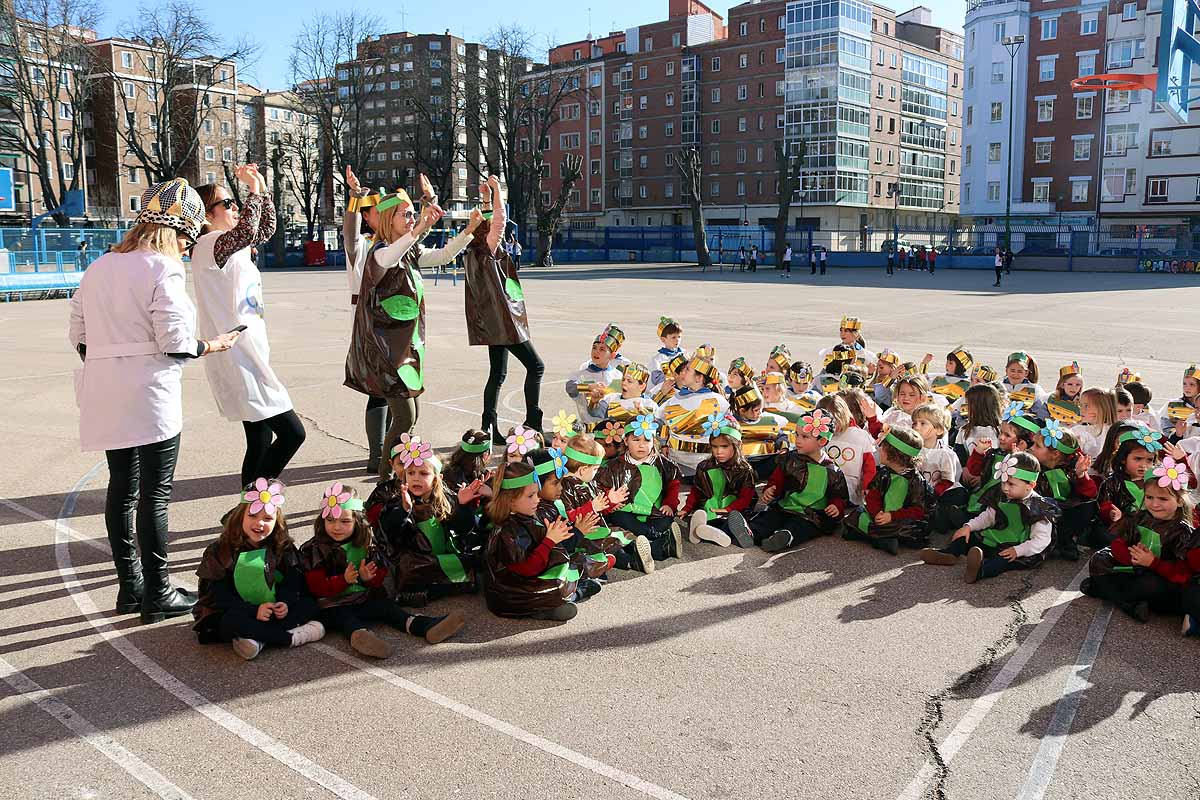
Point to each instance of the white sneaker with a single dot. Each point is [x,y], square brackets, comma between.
[308,632]
[708,533]
[697,519]
[247,648]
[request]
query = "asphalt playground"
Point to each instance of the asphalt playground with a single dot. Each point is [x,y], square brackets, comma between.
[830,671]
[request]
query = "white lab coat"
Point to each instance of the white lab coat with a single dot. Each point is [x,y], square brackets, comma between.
[244,386]
[131,309]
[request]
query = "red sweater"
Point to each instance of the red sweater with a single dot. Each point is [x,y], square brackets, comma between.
[536,563]
[1173,571]
[321,584]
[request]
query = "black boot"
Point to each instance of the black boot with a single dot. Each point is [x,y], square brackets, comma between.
[160,599]
[489,424]
[129,575]
[376,425]
[533,420]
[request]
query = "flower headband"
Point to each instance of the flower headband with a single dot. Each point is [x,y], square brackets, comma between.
[475,448]
[901,445]
[1008,468]
[1052,436]
[644,426]
[264,494]
[564,423]
[1151,440]
[559,461]
[399,197]
[412,450]
[612,432]
[712,424]
[519,481]
[1015,412]
[818,424]
[1169,473]
[522,440]
[583,458]
[336,500]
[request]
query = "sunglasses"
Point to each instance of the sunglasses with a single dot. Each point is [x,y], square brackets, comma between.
[410,215]
[228,202]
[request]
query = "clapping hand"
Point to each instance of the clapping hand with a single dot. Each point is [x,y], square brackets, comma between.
[558,531]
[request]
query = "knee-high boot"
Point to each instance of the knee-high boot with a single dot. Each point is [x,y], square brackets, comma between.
[376,421]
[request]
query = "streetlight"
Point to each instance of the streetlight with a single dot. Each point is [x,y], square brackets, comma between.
[894,192]
[1012,44]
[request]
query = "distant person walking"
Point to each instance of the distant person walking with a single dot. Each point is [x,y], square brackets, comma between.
[742,258]
[514,250]
[787,262]
[999,266]
[902,258]
[754,258]
[932,261]
[1008,260]
[891,262]
[823,255]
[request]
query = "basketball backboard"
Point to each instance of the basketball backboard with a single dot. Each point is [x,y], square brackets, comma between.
[1178,50]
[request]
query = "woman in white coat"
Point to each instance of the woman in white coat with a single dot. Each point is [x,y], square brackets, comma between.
[229,295]
[133,324]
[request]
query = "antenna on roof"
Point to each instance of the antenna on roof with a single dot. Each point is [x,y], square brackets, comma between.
[589,36]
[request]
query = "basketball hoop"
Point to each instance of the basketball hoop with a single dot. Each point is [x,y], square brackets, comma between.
[1118,81]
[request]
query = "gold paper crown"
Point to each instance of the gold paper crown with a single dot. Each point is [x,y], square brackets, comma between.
[838,355]
[1070,369]
[663,322]
[985,373]
[800,372]
[704,367]
[705,351]
[611,337]
[1191,372]
[890,357]
[774,379]
[673,366]
[747,396]
[1126,375]
[961,355]
[637,372]
[851,324]
[740,366]
[780,356]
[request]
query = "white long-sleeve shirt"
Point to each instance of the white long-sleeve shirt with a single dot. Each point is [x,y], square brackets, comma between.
[1039,533]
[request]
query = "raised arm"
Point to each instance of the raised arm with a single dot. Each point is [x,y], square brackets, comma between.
[266,223]
[447,254]
[499,216]
[243,234]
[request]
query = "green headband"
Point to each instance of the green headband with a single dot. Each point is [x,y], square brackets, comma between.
[1026,475]
[544,469]
[1026,423]
[521,480]
[731,432]
[901,445]
[583,458]
[353,504]
[471,447]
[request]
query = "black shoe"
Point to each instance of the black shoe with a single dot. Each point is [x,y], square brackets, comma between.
[559,613]
[1085,587]
[129,595]
[739,530]
[889,544]
[1068,551]
[1139,611]
[586,588]
[166,604]
[777,541]
[675,541]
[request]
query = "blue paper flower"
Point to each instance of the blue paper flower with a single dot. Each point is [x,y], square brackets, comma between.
[644,426]
[1015,408]
[1052,433]
[560,462]
[712,425]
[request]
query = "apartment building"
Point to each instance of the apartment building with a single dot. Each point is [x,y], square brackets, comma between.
[1077,157]
[286,144]
[870,98]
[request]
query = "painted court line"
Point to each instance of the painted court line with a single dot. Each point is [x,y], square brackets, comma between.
[966,726]
[180,690]
[142,772]
[508,729]
[1046,760]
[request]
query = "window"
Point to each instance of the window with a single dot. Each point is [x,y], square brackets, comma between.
[1041,192]
[966,154]
[130,89]
[716,94]
[742,29]
[741,124]
[1083,150]
[1120,138]
[210,153]
[670,99]
[1087,64]
[741,155]
[993,151]
[595,197]
[642,101]
[742,92]
[970,77]
[779,55]
[716,126]
[999,31]
[715,65]
[649,43]
[1045,110]
[642,72]
[997,112]
[714,188]
[1122,53]
[135,203]
[126,58]
[1118,100]
[669,129]
[1089,23]
[1049,29]
[1083,107]
[1079,191]
[670,67]
[674,41]
[1041,152]
[643,131]
[227,154]
[1046,69]
[997,72]
[64,111]
[568,141]
[993,191]
[435,45]
[1129,11]
[743,61]
[970,114]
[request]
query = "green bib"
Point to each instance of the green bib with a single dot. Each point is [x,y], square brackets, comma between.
[443,550]
[1014,531]
[562,508]
[814,490]
[250,577]
[513,290]
[607,533]
[1059,483]
[1148,538]
[355,555]
[1137,492]
[719,499]
[893,500]
[648,494]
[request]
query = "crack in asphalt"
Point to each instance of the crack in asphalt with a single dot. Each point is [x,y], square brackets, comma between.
[934,712]
[312,421]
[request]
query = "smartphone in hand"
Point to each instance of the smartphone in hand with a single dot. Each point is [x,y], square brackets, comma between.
[238,329]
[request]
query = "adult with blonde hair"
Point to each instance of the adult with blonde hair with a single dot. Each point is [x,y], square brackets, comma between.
[387,346]
[229,294]
[132,323]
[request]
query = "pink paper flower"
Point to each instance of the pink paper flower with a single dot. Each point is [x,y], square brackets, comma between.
[268,495]
[1171,473]
[521,440]
[818,424]
[413,451]
[331,505]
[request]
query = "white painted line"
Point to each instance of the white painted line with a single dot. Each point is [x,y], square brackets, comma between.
[475,414]
[507,728]
[966,726]
[142,772]
[1046,760]
[180,690]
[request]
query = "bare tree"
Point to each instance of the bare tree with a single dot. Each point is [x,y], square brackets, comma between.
[549,214]
[790,167]
[184,60]
[333,86]
[691,172]
[435,98]
[301,166]
[50,57]
[493,120]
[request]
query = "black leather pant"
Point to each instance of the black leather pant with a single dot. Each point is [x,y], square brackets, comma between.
[139,488]
[534,369]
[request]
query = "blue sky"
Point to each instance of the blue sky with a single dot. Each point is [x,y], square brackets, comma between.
[275,24]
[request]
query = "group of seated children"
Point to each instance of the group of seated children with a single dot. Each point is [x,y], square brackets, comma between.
[974,469]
